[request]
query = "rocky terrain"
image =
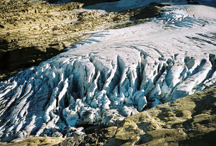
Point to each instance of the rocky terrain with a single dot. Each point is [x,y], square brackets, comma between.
[36,141]
[117,75]
[32,32]
[190,120]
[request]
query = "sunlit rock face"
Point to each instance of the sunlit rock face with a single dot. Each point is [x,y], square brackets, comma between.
[111,75]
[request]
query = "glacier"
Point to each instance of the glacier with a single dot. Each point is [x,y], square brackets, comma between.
[111,75]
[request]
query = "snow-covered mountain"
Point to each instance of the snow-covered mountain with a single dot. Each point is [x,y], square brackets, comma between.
[113,74]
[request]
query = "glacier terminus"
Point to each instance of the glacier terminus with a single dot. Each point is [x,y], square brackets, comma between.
[113,74]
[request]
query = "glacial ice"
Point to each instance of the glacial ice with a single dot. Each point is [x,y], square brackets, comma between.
[116,74]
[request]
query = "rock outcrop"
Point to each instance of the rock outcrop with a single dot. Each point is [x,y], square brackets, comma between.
[34,141]
[187,121]
[32,32]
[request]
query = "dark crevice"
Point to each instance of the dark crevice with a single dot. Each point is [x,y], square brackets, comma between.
[199,67]
[160,72]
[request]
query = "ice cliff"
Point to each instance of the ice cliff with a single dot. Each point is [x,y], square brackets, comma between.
[111,75]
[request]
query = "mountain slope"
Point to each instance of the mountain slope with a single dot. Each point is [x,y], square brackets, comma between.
[111,75]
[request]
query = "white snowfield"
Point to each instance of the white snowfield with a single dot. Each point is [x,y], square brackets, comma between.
[113,74]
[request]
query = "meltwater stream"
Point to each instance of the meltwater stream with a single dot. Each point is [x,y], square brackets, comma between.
[111,75]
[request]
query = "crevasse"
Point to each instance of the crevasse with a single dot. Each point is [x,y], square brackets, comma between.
[110,75]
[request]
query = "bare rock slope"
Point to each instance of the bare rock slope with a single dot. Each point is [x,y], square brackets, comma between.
[36,141]
[190,120]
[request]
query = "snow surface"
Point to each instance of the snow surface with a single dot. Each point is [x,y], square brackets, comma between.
[112,74]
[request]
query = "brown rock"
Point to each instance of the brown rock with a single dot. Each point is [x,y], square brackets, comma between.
[184,121]
[95,136]
[36,141]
